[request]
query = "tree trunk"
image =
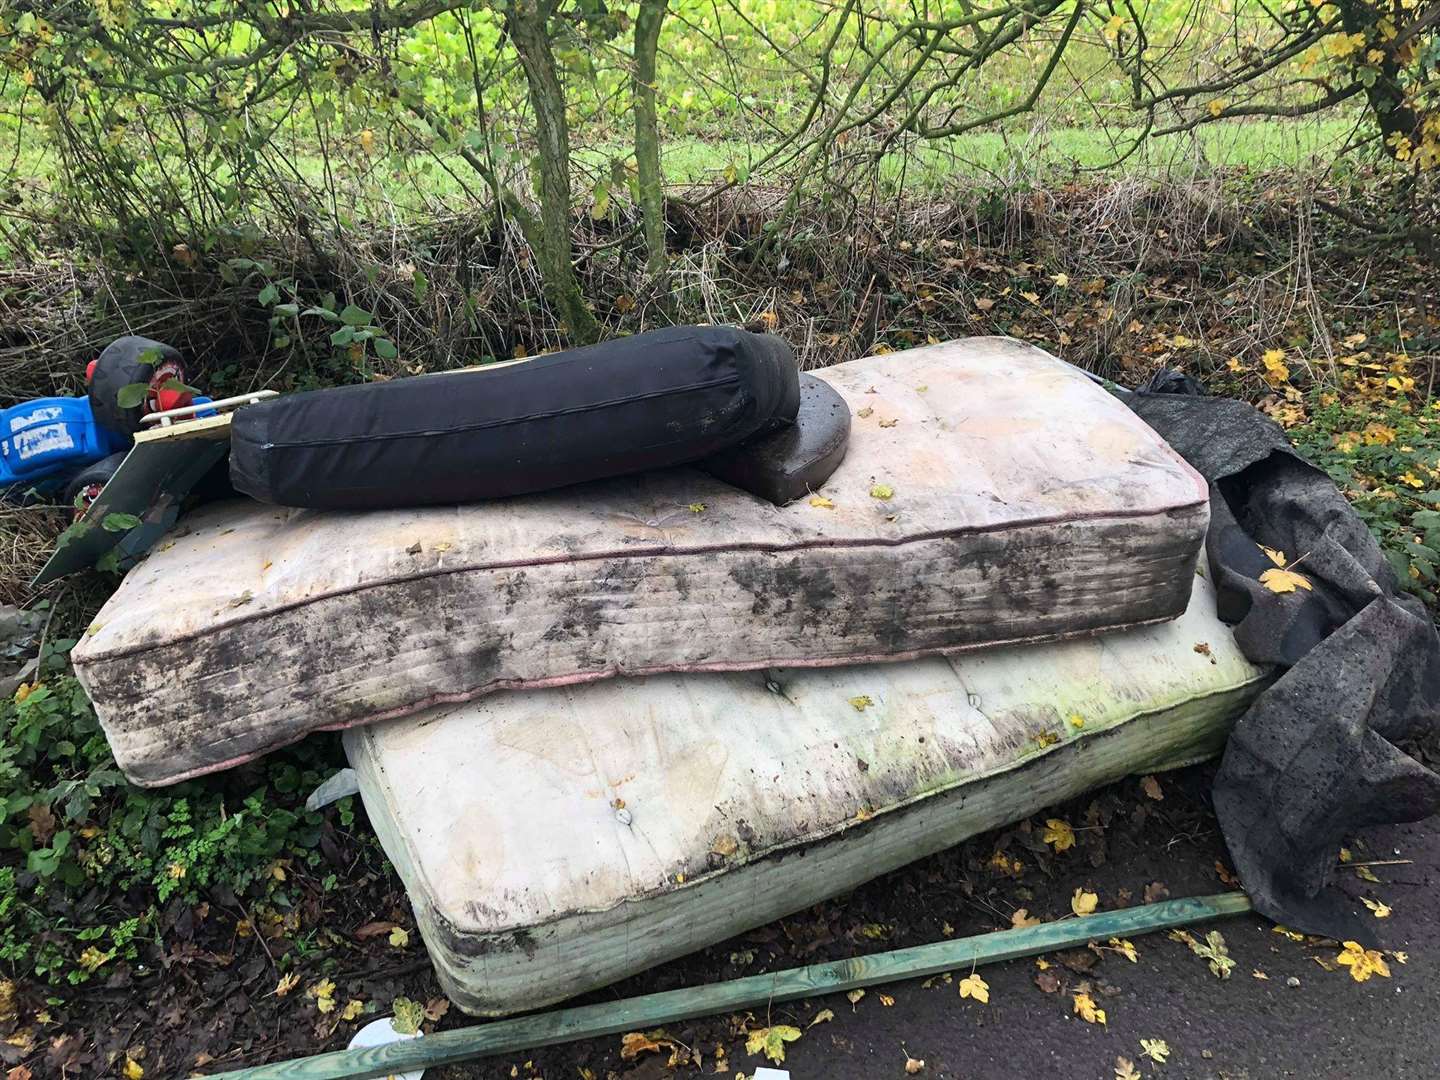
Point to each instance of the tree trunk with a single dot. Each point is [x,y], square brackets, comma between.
[527,22]
[650,183]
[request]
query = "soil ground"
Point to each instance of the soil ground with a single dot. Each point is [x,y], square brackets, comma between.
[216,1007]
[1323,1025]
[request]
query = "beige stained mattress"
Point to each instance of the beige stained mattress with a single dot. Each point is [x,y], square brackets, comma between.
[990,495]
[555,841]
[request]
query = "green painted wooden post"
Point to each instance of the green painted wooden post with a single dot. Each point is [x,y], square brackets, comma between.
[651,1010]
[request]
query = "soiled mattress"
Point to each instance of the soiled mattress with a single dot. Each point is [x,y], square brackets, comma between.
[990,494]
[554,842]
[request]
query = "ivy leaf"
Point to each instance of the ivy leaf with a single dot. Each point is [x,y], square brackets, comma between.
[119,522]
[408,1015]
[132,394]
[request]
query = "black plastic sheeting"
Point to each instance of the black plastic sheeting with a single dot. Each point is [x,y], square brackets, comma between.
[645,402]
[1315,757]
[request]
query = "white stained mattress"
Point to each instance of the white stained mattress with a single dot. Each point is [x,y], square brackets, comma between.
[555,841]
[991,494]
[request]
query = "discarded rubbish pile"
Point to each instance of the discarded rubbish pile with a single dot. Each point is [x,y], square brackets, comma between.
[737,702]
[989,495]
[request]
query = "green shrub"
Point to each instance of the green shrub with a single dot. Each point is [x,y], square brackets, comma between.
[87,860]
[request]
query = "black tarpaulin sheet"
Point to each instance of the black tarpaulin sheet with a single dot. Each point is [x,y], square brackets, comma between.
[1315,757]
[644,402]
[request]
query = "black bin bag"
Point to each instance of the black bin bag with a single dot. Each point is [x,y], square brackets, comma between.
[653,400]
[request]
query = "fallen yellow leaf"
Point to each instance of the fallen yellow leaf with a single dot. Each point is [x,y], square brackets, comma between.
[1086,1009]
[973,986]
[1058,834]
[1284,581]
[771,1041]
[353,1008]
[1156,1050]
[1126,948]
[914,1065]
[1379,907]
[1125,1069]
[1084,903]
[287,983]
[133,1069]
[822,1017]
[861,702]
[883,492]
[820,502]
[399,937]
[1021,918]
[1362,962]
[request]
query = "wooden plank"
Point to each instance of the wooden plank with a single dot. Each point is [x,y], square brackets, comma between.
[673,1006]
[204,427]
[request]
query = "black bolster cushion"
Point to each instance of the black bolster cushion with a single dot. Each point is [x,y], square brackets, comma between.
[649,401]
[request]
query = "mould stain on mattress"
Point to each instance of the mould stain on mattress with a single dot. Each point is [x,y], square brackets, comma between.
[512,585]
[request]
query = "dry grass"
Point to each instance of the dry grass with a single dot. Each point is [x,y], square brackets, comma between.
[1229,262]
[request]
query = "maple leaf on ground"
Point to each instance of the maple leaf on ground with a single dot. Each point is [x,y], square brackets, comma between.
[1021,918]
[886,1000]
[1363,962]
[1125,948]
[854,997]
[353,1008]
[1084,903]
[324,994]
[399,937]
[1125,1069]
[1085,1006]
[861,702]
[1151,787]
[973,986]
[1379,907]
[1156,1050]
[771,1041]
[635,1043]
[408,1015]
[1212,949]
[883,492]
[823,1016]
[820,502]
[133,1070]
[1276,370]
[1285,581]
[1058,834]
